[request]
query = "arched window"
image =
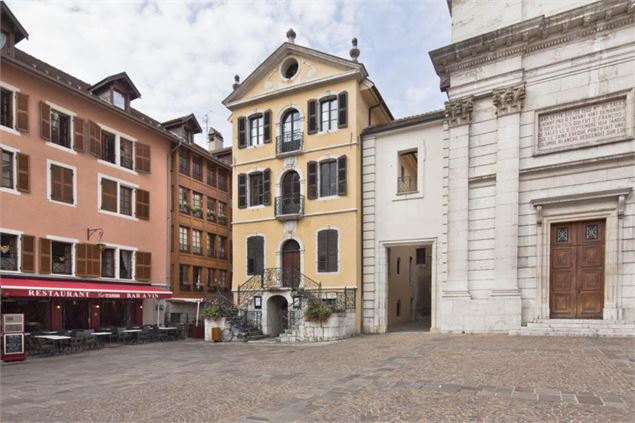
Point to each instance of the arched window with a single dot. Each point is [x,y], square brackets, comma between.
[291,131]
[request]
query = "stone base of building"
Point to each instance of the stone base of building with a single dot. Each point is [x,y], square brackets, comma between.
[494,314]
[339,326]
[577,327]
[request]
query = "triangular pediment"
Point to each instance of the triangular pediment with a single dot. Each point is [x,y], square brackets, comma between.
[313,66]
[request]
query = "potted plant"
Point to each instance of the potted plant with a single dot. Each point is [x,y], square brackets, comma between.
[318,313]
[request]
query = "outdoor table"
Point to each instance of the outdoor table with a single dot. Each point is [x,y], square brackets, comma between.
[135,331]
[167,327]
[100,336]
[57,339]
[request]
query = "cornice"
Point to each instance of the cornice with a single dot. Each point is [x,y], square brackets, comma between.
[532,35]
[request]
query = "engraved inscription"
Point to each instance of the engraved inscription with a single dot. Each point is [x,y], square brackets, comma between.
[582,125]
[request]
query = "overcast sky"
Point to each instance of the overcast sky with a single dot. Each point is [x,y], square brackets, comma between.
[182,55]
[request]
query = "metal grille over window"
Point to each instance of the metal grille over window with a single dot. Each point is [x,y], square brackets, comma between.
[591,232]
[562,235]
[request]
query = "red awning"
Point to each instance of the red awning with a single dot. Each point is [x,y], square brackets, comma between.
[43,288]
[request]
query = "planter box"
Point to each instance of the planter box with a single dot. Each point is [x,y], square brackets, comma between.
[220,323]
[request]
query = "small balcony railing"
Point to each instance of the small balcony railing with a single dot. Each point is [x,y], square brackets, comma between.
[184,207]
[406,184]
[197,212]
[290,142]
[211,216]
[289,207]
[222,219]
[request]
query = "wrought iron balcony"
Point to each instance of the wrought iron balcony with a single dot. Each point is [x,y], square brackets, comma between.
[290,143]
[406,184]
[289,207]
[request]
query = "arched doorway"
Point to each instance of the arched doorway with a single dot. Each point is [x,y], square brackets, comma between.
[277,315]
[290,203]
[290,262]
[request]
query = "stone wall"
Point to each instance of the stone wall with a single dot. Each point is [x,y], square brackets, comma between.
[339,326]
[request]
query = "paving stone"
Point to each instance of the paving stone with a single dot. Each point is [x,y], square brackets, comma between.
[423,377]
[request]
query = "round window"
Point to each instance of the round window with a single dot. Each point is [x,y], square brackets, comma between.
[289,68]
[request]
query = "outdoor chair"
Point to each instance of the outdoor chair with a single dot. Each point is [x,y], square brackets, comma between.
[44,347]
[90,342]
[77,343]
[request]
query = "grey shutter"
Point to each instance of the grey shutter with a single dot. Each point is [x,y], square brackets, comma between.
[255,255]
[242,132]
[242,191]
[266,187]
[322,251]
[342,110]
[341,175]
[313,121]
[331,250]
[267,126]
[312,180]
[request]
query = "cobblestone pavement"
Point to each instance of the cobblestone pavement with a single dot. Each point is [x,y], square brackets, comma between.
[402,376]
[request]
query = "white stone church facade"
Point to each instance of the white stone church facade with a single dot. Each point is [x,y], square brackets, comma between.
[539,171]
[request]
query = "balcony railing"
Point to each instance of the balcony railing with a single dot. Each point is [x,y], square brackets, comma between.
[289,207]
[197,212]
[184,207]
[290,142]
[222,220]
[406,184]
[211,216]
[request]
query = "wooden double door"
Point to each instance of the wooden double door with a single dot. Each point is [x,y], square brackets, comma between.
[576,273]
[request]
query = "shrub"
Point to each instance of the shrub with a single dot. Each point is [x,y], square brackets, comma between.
[213,311]
[318,313]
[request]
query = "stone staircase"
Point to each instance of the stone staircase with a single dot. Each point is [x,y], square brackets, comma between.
[577,327]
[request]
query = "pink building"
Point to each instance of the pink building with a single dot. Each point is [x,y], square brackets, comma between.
[84,199]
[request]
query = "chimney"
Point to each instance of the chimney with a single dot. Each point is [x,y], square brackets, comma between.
[214,140]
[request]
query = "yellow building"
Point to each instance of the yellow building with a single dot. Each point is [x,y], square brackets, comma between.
[297,121]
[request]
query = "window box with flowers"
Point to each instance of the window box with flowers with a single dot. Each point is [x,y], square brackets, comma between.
[197,212]
[184,207]
[211,216]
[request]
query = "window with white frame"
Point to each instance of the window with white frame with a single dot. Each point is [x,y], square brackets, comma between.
[118,99]
[9,245]
[256,130]
[61,183]
[8,169]
[125,264]
[6,108]
[61,258]
[108,262]
[184,239]
[256,189]
[117,149]
[61,128]
[117,197]
[328,113]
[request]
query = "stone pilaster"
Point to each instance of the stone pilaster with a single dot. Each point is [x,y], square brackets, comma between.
[509,102]
[459,116]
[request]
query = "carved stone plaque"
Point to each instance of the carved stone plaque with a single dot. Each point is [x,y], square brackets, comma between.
[580,126]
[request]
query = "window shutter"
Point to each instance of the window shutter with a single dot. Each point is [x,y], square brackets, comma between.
[108,195]
[341,175]
[79,133]
[312,112]
[312,180]
[242,191]
[331,248]
[143,204]
[260,255]
[267,126]
[22,115]
[94,139]
[143,266]
[45,255]
[242,132]
[56,183]
[322,246]
[81,260]
[93,260]
[342,110]
[142,157]
[23,184]
[67,185]
[28,254]
[45,121]
[266,187]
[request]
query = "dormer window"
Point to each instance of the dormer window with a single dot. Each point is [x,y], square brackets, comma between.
[118,99]
[188,135]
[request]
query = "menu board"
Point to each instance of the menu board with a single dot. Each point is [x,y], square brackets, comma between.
[12,323]
[13,343]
